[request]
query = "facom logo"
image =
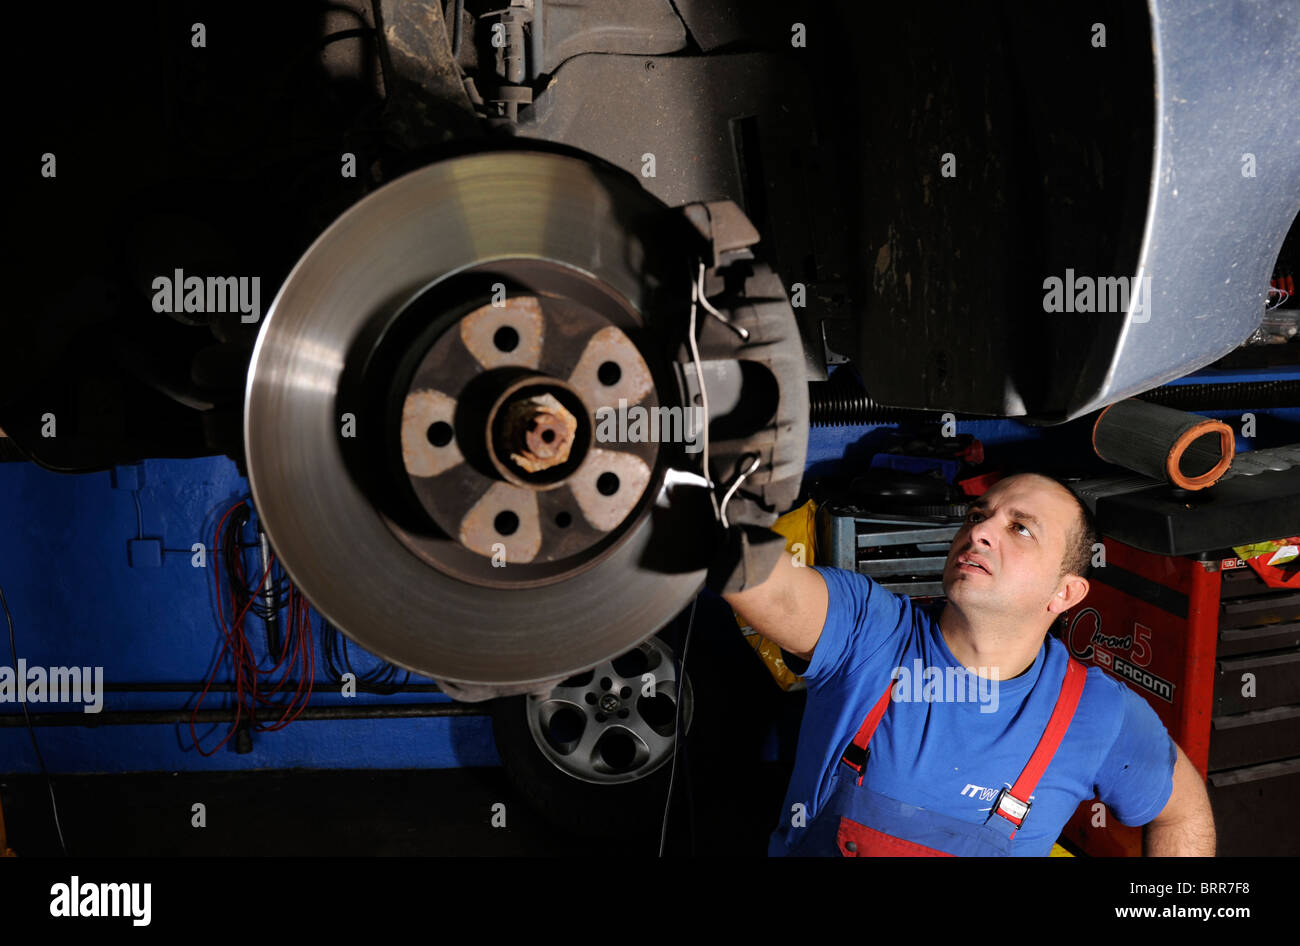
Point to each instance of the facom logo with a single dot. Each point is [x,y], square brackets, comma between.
[1102,648]
[1089,619]
[1126,657]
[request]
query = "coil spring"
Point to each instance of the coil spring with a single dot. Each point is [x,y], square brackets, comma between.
[836,404]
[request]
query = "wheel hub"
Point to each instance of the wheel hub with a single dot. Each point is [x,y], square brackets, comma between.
[421,419]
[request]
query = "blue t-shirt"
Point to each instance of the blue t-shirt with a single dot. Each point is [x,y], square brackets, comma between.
[951,756]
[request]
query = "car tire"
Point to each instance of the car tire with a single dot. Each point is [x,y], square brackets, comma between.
[620,789]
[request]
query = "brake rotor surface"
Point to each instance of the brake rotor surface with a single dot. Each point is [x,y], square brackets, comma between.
[404,430]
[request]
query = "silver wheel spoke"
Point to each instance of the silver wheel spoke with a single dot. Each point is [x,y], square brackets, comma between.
[582,753]
[656,743]
[622,720]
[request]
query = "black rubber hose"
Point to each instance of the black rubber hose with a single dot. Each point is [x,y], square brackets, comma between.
[1187,450]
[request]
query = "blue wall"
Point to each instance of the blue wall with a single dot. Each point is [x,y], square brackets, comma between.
[77,602]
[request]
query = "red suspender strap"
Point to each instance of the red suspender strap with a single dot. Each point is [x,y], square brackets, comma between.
[1015,807]
[855,756]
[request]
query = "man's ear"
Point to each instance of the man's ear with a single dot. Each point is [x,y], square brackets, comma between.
[1072,590]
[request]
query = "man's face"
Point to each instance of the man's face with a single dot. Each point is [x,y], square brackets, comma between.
[1006,558]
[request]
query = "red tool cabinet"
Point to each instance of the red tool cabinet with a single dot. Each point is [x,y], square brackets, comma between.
[1216,653]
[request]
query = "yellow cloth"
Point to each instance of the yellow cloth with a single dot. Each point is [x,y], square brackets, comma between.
[799,528]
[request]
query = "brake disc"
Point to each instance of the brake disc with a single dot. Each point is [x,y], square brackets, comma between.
[421,413]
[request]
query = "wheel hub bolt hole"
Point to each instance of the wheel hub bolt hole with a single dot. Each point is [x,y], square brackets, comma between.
[439,433]
[608,373]
[506,522]
[505,338]
[607,484]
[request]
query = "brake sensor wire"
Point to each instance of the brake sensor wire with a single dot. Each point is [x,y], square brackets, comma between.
[719,513]
[677,721]
[697,294]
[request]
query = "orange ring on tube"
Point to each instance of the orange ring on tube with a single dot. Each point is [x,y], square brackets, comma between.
[1227,447]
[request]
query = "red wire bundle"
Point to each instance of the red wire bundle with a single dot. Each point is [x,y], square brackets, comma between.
[257,687]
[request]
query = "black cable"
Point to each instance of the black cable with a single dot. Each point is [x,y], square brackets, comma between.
[232,547]
[459,13]
[677,723]
[381,679]
[31,730]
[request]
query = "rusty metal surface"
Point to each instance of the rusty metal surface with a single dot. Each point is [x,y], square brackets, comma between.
[603,230]
[427,99]
[543,431]
[420,456]
[478,531]
[552,338]
[606,507]
[611,346]
[520,314]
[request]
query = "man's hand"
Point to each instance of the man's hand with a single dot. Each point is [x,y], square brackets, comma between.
[789,607]
[1185,828]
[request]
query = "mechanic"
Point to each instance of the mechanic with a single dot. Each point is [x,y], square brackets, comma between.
[879,772]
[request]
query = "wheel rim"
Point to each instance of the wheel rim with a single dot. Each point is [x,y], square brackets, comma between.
[601,727]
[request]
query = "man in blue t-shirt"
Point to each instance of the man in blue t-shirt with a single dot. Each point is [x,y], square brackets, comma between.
[975,684]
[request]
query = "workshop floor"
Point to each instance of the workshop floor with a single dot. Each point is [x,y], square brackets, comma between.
[441,812]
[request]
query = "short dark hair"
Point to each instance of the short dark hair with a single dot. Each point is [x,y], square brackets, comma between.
[1077,559]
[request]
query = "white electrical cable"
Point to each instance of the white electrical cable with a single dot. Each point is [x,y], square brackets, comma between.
[697,294]
[735,486]
[708,306]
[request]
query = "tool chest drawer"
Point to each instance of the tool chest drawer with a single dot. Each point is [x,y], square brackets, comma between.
[1265,735]
[1256,682]
[1254,808]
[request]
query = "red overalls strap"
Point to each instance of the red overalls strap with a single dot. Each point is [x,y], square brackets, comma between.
[857,760]
[1013,803]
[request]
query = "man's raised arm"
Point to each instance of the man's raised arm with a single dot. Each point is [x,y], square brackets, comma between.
[789,607]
